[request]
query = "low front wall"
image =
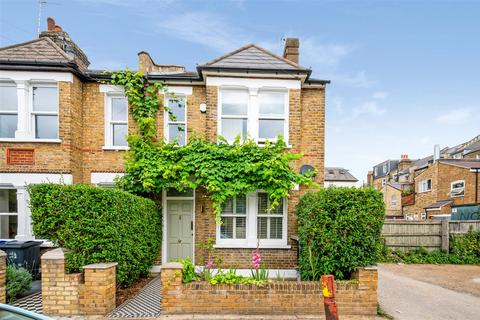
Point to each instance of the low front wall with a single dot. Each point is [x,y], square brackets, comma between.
[89,293]
[354,300]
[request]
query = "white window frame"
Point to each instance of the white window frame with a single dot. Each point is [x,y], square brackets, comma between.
[253,115]
[284,117]
[33,114]
[11,213]
[452,189]
[166,118]
[251,240]
[273,242]
[393,201]
[234,240]
[108,144]
[24,81]
[423,186]
[10,112]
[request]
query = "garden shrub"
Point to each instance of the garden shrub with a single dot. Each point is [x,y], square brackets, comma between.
[339,230]
[466,246]
[98,225]
[18,280]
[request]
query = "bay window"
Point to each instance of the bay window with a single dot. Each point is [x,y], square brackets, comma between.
[175,130]
[247,222]
[8,110]
[45,111]
[8,213]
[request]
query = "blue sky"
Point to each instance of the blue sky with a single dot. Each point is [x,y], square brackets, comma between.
[405,74]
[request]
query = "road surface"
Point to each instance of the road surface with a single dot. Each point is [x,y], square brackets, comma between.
[403,297]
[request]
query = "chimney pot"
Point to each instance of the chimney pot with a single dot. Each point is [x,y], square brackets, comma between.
[291,50]
[50,23]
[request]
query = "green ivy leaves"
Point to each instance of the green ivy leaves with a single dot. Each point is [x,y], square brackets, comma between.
[224,170]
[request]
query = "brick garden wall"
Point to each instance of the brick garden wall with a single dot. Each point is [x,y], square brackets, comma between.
[3,276]
[354,301]
[89,293]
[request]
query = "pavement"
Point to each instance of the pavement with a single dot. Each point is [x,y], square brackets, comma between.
[406,296]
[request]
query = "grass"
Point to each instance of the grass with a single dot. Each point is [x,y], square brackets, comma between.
[382,313]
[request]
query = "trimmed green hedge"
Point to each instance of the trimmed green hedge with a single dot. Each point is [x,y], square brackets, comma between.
[98,225]
[339,229]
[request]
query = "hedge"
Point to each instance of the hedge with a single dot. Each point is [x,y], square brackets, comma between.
[98,225]
[339,230]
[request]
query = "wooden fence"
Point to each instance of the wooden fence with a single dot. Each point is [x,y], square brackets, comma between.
[431,235]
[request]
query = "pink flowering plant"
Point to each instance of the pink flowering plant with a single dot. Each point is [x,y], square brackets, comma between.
[208,257]
[259,273]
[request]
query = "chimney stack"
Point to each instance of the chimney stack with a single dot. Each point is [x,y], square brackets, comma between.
[436,153]
[291,50]
[63,40]
[404,162]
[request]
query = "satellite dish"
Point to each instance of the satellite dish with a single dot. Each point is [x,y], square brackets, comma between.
[306,168]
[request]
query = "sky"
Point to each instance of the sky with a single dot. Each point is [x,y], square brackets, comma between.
[405,74]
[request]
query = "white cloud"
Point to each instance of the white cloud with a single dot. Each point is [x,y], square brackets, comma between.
[337,103]
[324,54]
[368,108]
[358,79]
[380,95]
[204,28]
[455,117]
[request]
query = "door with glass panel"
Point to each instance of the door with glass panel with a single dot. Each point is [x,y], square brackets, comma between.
[179,229]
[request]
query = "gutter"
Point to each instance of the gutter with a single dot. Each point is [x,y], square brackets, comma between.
[37,65]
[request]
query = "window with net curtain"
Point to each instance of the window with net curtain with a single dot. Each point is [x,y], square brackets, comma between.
[8,109]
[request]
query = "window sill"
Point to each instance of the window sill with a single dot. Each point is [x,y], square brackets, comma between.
[115,148]
[30,140]
[244,246]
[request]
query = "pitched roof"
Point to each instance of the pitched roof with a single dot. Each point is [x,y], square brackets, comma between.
[468,164]
[338,174]
[41,49]
[472,147]
[439,204]
[253,57]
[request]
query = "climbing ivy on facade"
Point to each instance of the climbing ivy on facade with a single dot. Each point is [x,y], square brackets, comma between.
[224,170]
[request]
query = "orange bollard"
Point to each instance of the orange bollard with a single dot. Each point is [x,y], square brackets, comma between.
[328,291]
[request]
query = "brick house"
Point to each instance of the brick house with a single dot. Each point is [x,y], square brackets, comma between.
[58,123]
[443,184]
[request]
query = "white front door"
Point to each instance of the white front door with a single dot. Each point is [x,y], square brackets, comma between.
[179,229]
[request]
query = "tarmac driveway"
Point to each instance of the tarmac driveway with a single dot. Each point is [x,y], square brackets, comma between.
[429,291]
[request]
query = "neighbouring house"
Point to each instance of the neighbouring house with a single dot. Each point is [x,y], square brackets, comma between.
[443,184]
[60,124]
[406,174]
[339,177]
[392,197]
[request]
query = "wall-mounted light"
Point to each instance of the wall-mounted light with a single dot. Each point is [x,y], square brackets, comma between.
[203,107]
